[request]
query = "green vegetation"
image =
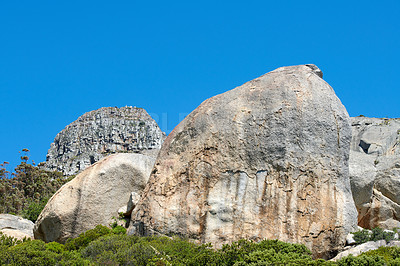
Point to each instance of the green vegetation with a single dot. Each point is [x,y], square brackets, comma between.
[106,246]
[26,191]
[373,235]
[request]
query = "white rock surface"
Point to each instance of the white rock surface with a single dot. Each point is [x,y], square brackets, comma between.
[350,239]
[93,196]
[10,222]
[357,250]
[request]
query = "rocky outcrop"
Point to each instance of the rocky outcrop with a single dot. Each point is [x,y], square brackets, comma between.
[16,226]
[375,171]
[93,197]
[268,159]
[99,133]
[357,250]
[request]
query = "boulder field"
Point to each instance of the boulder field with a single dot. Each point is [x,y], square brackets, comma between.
[268,159]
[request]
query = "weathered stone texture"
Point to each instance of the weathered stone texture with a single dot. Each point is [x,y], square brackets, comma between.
[93,197]
[16,226]
[375,171]
[268,159]
[99,133]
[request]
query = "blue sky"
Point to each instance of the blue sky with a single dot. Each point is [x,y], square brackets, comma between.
[60,59]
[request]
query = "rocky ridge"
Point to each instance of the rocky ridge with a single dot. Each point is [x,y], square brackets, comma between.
[98,133]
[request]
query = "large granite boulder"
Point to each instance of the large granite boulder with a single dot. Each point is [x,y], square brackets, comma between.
[16,226]
[93,197]
[101,132]
[268,159]
[375,171]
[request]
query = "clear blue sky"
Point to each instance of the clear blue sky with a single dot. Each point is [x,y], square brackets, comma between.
[60,59]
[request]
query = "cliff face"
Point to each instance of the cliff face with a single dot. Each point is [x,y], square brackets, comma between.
[268,159]
[101,132]
[375,171]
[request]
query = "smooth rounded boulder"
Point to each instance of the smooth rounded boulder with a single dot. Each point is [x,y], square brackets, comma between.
[15,226]
[268,159]
[93,197]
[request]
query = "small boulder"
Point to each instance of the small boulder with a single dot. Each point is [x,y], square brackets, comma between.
[357,250]
[93,196]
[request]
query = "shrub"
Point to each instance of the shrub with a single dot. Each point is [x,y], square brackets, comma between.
[85,238]
[36,252]
[119,230]
[361,260]
[9,241]
[362,236]
[379,234]
[29,253]
[26,190]
[34,209]
[375,235]
[118,249]
[389,254]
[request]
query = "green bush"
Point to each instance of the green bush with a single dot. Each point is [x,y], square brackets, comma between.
[375,235]
[118,249]
[85,238]
[26,190]
[9,241]
[34,209]
[389,254]
[379,234]
[105,246]
[36,252]
[361,236]
[361,260]
[119,230]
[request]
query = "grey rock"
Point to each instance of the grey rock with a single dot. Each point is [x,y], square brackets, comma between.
[93,196]
[357,250]
[99,133]
[374,172]
[394,243]
[12,222]
[268,159]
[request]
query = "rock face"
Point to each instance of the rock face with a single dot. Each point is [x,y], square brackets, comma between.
[375,171]
[16,226]
[93,197]
[268,159]
[99,133]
